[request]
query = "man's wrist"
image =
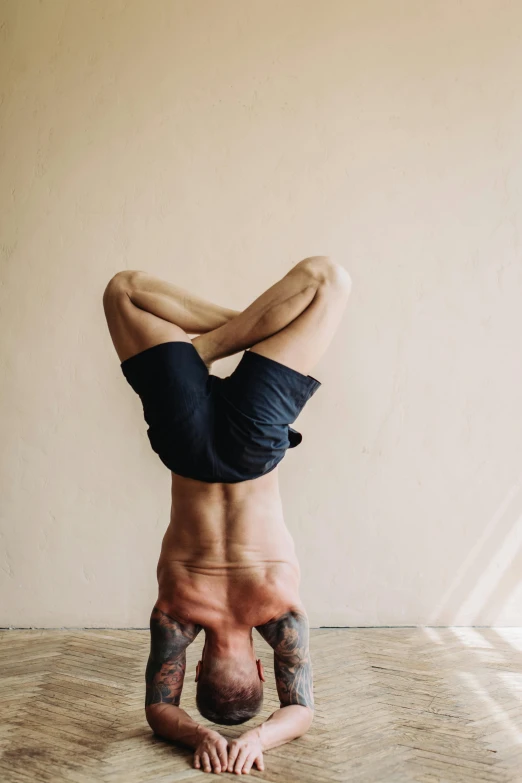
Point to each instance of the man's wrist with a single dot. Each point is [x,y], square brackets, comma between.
[258,733]
[202,732]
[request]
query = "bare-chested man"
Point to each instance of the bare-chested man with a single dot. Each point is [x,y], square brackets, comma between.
[228,562]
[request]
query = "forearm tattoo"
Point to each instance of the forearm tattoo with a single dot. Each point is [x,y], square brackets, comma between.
[165,670]
[288,636]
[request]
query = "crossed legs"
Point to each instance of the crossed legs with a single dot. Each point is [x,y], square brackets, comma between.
[292,322]
[143,311]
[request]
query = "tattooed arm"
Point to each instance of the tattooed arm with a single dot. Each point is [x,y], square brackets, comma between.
[164,677]
[288,636]
[165,671]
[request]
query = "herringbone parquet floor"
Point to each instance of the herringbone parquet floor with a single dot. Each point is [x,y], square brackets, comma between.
[393,705]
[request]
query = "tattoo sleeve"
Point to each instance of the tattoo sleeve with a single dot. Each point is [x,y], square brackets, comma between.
[288,636]
[165,670]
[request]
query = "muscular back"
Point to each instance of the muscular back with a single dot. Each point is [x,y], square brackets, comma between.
[227,555]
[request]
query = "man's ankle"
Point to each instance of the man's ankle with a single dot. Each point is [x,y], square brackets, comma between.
[201,347]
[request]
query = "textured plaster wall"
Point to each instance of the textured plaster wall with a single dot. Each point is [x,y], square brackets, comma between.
[216,143]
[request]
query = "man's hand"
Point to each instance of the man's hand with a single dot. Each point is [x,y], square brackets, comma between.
[245,751]
[210,754]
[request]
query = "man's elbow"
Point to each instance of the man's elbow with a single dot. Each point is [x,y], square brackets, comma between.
[303,717]
[153,714]
[308,718]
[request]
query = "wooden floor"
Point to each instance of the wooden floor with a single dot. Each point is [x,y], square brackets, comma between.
[393,705]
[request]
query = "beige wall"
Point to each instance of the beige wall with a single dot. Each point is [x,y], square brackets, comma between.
[216,143]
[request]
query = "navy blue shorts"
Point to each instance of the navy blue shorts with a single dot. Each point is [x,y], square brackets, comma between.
[218,429]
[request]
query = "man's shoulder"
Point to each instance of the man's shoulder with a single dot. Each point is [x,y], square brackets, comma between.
[165,619]
[293,621]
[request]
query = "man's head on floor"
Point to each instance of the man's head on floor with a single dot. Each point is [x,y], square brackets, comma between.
[229,678]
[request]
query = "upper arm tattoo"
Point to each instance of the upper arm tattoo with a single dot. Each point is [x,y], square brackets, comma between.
[288,636]
[166,665]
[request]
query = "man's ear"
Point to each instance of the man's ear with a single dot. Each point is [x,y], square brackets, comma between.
[260,670]
[198,671]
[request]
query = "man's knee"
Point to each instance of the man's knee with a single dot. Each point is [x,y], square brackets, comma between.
[121,286]
[327,272]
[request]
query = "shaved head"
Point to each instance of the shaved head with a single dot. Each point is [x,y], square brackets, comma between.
[227,696]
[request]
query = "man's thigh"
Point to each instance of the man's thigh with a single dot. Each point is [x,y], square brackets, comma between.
[301,344]
[134,330]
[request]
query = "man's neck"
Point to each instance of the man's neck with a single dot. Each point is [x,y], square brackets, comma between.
[226,641]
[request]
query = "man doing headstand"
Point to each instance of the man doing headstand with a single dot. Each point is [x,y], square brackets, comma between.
[227,562]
